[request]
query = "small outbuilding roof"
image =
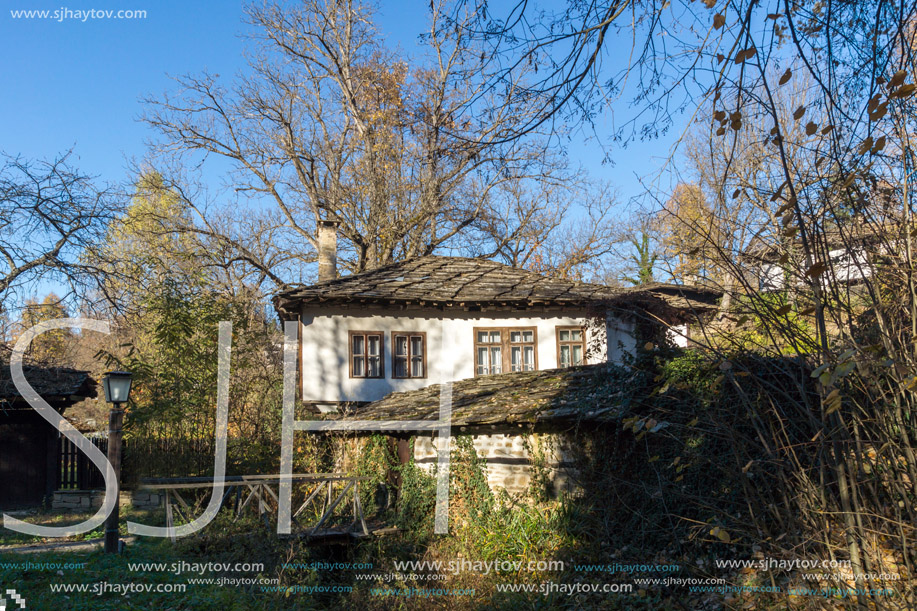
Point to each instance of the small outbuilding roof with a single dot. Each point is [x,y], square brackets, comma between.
[56,385]
[435,281]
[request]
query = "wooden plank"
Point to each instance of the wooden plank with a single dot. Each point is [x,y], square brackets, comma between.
[204,482]
[309,499]
[251,494]
[170,524]
[181,500]
[226,493]
[358,509]
[328,512]
[269,490]
[389,530]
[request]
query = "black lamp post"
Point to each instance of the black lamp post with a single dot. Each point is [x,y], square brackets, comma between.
[117,386]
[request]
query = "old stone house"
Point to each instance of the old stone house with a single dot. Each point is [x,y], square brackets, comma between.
[435,319]
[516,347]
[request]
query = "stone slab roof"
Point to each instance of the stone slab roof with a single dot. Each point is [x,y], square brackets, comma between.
[589,393]
[56,385]
[435,281]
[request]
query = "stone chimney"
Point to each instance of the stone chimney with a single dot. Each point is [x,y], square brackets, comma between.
[327,250]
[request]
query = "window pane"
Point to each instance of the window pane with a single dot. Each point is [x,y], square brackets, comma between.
[417,345]
[401,345]
[529,353]
[516,359]
[577,355]
[417,367]
[496,360]
[577,335]
[483,337]
[401,367]
[528,336]
[495,337]
[515,337]
[564,335]
[374,343]
[358,344]
[565,356]
[373,368]
[482,360]
[358,366]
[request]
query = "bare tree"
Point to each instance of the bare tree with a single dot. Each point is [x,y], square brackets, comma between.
[330,124]
[561,230]
[50,213]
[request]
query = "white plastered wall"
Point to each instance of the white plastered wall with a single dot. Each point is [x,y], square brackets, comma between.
[450,346]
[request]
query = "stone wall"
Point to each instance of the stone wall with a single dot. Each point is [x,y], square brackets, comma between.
[77,500]
[87,500]
[147,499]
[514,460]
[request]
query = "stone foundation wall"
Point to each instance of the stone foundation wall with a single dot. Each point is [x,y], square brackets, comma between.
[87,500]
[513,461]
[147,499]
[77,500]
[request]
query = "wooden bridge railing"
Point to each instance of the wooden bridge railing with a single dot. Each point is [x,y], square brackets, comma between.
[257,488]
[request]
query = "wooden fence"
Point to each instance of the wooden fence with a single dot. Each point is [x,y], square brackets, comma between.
[172,456]
[149,456]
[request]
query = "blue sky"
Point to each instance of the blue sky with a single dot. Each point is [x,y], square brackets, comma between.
[78,84]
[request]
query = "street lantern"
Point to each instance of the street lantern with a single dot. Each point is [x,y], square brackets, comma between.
[117,385]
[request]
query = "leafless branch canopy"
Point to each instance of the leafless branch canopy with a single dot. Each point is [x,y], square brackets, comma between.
[50,213]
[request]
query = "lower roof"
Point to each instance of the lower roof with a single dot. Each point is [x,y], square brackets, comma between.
[589,393]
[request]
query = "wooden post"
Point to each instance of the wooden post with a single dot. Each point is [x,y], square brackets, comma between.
[393,477]
[115,422]
[404,457]
[53,465]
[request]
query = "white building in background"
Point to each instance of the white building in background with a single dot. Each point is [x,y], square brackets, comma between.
[850,255]
[433,319]
[845,266]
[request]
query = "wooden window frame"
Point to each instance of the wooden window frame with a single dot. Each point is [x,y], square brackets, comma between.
[582,341]
[505,347]
[423,339]
[476,344]
[350,355]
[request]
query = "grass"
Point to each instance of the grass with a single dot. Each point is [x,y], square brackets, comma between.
[56,518]
[104,577]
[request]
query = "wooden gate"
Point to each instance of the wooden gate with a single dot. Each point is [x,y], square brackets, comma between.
[75,470]
[26,455]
